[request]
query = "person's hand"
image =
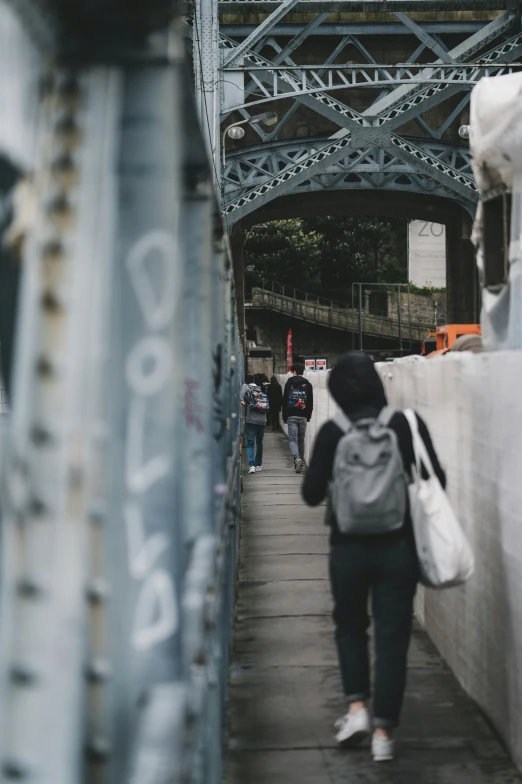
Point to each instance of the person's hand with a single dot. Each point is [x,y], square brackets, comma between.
[242,403]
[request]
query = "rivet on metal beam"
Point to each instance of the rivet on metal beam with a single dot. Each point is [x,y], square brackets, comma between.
[52,248]
[98,749]
[51,303]
[98,590]
[30,589]
[98,513]
[40,435]
[67,127]
[37,507]
[16,770]
[59,205]
[45,367]
[69,87]
[63,164]
[24,675]
[98,671]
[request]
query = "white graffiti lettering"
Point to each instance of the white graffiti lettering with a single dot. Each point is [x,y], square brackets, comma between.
[156,616]
[149,366]
[148,371]
[157,308]
[143,553]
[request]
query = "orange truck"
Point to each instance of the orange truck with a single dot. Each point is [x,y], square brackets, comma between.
[440,341]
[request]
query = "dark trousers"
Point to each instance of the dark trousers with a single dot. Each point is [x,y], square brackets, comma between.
[388,569]
[274,419]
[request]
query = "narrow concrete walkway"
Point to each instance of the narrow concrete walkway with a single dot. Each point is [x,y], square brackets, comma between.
[285,687]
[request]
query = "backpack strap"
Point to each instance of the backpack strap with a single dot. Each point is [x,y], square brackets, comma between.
[386,416]
[342,421]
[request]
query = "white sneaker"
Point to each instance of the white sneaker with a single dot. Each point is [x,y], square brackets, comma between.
[252,470]
[258,468]
[353,728]
[383,749]
[298,465]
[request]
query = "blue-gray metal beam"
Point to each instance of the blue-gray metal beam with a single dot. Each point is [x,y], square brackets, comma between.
[372,6]
[452,116]
[293,109]
[424,37]
[145,335]
[358,29]
[454,181]
[262,29]
[206,64]
[334,110]
[463,51]
[296,41]
[290,178]
[316,79]
[51,469]
[451,179]
[254,165]
[420,100]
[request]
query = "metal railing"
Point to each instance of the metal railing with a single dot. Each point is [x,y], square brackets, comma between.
[320,310]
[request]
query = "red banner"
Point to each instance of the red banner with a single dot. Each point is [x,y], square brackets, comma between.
[289,352]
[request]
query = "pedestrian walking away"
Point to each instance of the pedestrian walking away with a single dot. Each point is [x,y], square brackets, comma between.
[298,405]
[372,547]
[255,402]
[275,399]
[261,379]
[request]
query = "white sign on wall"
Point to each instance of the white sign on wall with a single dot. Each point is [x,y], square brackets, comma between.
[427,254]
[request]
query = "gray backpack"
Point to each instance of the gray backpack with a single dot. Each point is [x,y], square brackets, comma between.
[368,489]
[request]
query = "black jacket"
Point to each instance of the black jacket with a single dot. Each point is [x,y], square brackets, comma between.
[301,388]
[357,388]
[275,397]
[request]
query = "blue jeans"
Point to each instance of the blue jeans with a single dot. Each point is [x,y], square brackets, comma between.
[296,436]
[254,436]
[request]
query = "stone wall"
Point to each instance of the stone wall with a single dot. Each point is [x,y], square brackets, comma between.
[422,307]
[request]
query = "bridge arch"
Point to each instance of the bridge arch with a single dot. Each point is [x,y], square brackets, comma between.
[461,275]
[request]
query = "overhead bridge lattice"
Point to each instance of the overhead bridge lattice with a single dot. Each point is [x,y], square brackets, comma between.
[362,102]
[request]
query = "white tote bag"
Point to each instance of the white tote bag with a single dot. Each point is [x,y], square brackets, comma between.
[445,557]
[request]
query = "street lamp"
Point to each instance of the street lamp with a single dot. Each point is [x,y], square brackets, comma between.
[234,131]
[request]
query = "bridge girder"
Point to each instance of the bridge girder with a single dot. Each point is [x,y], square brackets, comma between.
[269,70]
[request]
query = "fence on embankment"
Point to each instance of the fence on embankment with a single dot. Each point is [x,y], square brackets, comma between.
[473,407]
[327,313]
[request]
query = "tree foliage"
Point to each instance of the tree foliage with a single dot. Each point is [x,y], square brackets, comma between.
[329,253]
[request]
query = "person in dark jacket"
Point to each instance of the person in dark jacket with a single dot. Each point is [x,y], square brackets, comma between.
[275,399]
[298,405]
[262,381]
[255,423]
[385,565]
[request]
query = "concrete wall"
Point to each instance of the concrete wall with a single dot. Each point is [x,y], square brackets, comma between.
[309,340]
[473,407]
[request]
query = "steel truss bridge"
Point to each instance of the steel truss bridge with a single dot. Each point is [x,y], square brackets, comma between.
[392,123]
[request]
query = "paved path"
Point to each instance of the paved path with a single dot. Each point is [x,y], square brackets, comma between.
[285,687]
